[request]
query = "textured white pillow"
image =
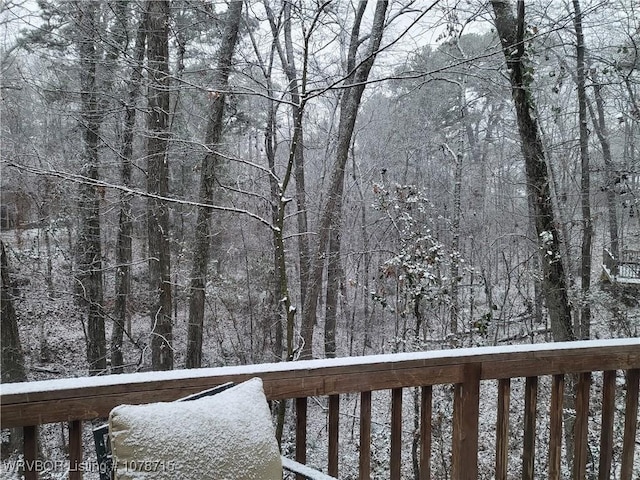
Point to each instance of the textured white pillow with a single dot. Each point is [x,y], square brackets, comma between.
[227,436]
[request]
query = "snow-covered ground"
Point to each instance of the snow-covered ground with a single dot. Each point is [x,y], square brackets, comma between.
[52,334]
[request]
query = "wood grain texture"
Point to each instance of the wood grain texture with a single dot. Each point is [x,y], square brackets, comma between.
[364,462]
[426,412]
[396,434]
[530,416]
[630,424]
[75,450]
[502,428]
[555,430]
[581,426]
[93,397]
[606,424]
[466,403]
[334,430]
[28,404]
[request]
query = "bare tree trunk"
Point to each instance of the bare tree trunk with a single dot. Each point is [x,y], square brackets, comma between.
[125,222]
[278,243]
[455,241]
[158,184]
[458,157]
[280,285]
[89,248]
[333,290]
[511,32]
[202,242]
[600,128]
[12,357]
[584,326]
[12,367]
[349,104]
[535,260]
[296,114]
[284,308]
[366,259]
[454,270]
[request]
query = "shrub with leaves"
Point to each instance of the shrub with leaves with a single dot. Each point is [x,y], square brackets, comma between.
[416,274]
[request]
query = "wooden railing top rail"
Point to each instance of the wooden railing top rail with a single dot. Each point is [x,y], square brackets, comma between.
[86,398]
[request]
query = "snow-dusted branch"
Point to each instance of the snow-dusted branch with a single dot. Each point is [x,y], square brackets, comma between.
[81,179]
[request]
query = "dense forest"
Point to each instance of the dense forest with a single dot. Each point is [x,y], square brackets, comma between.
[196,183]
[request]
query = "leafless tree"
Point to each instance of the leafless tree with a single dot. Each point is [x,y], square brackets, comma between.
[90,286]
[330,222]
[158,183]
[511,30]
[584,325]
[124,255]
[210,164]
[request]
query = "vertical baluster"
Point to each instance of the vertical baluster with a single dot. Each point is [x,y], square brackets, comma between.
[466,404]
[426,410]
[581,426]
[555,431]
[334,413]
[606,426]
[75,450]
[457,465]
[630,420]
[502,428]
[301,432]
[530,405]
[396,433]
[30,434]
[364,466]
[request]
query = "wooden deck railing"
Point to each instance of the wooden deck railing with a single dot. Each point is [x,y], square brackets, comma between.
[28,405]
[625,269]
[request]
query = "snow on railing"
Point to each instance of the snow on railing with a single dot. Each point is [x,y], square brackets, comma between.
[31,404]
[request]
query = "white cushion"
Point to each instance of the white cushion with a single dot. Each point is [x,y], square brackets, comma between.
[227,436]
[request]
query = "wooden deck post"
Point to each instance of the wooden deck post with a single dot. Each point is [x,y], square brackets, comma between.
[466,406]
